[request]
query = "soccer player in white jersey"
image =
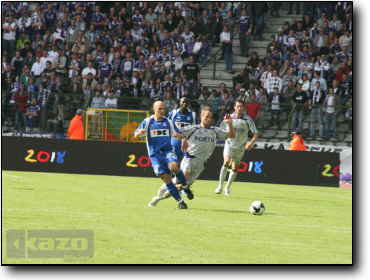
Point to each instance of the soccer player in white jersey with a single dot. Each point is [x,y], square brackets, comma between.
[202,142]
[234,148]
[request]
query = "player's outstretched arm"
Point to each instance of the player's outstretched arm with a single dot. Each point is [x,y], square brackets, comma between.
[140,133]
[251,143]
[229,121]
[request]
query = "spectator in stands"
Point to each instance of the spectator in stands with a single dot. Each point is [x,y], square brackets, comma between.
[191,74]
[230,22]
[321,81]
[225,38]
[169,101]
[54,124]
[270,47]
[242,95]
[111,102]
[343,56]
[96,120]
[20,107]
[342,70]
[128,92]
[205,99]
[222,104]
[253,108]
[297,143]
[58,89]
[289,77]
[244,24]
[17,63]
[288,92]
[259,10]
[33,117]
[349,114]
[242,78]
[25,77]
[29,60]
[316,100]
[272,82]
[60,64]
[331,108]
[9,28]
[74,67]
[346,89]
[276,99]
[300,100]
[37,68]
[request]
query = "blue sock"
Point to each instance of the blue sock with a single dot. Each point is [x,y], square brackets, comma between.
[181,177]
[174,191]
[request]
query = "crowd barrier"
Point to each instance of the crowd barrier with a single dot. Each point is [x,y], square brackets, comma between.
[131,159]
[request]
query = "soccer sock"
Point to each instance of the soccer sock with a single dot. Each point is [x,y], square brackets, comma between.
[223,174]
[162,190]
[181,177]
[232,177]
[174,191]
[165,195]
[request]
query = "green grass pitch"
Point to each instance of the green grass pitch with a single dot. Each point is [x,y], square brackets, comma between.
[301,224]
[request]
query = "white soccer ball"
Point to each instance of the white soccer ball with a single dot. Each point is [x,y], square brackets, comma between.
[257,208]
[168,64]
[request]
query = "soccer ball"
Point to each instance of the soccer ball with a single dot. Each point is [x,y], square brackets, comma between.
[168,64]
[257,208]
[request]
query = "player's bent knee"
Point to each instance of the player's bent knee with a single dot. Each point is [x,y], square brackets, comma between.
[166,178]
[235,166]
[174,167]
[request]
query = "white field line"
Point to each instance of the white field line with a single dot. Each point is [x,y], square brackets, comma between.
[189,219]
[13,176]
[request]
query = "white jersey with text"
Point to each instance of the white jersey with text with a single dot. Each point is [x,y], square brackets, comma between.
[202,141]
[242,126]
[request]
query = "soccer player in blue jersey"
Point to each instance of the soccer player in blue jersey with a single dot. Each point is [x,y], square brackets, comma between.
[159,131]
[182,117]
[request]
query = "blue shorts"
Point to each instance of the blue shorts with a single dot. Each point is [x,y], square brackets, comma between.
[179,154]
[161,160]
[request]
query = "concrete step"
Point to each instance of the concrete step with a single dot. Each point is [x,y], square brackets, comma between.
[215,84]
[258,50]
[221,74]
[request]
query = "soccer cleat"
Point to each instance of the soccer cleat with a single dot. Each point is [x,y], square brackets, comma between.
[154,201]
[227,192]
[182,205]
[188,192]
[218,191]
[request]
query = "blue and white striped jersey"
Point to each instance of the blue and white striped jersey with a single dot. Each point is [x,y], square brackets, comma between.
[158,134]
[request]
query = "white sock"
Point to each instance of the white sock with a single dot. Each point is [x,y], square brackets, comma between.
[165,195]
[223,174]
[162,190]
[232,177]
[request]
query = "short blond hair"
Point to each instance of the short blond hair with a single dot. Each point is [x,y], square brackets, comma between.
[206,109]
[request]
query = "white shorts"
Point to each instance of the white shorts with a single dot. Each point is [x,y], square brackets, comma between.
[193,166]
[236,154]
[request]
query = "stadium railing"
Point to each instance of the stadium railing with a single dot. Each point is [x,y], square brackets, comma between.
[131,112]
[213,58]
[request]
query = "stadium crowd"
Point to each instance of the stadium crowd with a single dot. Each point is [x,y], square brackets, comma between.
[121,52]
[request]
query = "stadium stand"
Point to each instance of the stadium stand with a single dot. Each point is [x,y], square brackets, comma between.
[126,55]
